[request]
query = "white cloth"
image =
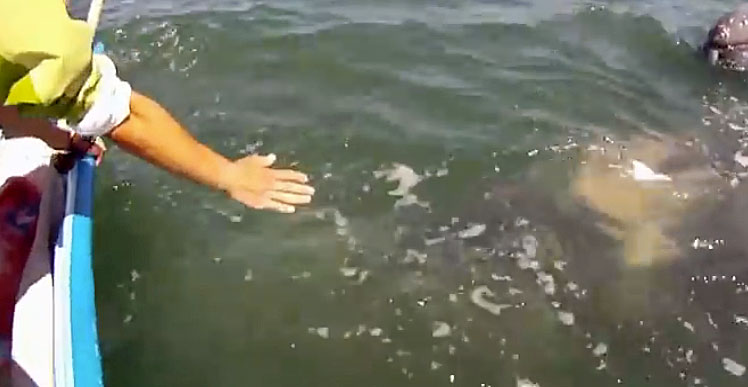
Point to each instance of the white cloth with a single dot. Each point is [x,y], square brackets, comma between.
[32,349]
[112,101]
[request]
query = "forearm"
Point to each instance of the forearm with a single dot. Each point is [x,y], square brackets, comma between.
[152,134]
[14,125]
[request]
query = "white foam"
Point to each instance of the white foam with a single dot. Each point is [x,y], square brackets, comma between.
[530,245]
[514,291]
[689,355]
[526,383]
[546,281]
[323,332]
[572,286]
[523,262]
[687,324]
[600,350]
[406,177]
[567,318]
[472,231]
[302,275]
[644,173]
[497,277]
[741,159]
[441,329]
[402,353]
[477,296]
[362,276]
[711,321]
[349,271]
[341,223]
[409,200]
[733,367]
[434,241]
[412,255]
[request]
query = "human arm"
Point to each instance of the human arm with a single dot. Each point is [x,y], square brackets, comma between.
[47,69]
[14,125]
[152,134]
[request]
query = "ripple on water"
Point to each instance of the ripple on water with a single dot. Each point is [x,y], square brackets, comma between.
[425,82]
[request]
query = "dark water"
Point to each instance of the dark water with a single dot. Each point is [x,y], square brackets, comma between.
[484,113]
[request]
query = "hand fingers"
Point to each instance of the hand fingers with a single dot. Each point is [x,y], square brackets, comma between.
[100,142]
[266,203]
[294,188]
[102,147]
[290,175]
[289,198]
[278,207]
[257,160]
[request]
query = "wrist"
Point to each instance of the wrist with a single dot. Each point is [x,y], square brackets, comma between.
[226,176]
[56,139]
[77,144]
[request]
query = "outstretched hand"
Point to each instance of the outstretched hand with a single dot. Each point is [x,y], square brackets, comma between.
[252,181]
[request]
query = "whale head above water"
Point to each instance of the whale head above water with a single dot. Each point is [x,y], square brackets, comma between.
[726,44]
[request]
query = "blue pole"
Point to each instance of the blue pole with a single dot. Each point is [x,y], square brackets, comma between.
[87,370]
[85,344]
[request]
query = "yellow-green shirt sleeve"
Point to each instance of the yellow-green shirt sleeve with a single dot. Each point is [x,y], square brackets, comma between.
[45,59]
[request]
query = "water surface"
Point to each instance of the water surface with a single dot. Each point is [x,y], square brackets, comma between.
[466,231]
